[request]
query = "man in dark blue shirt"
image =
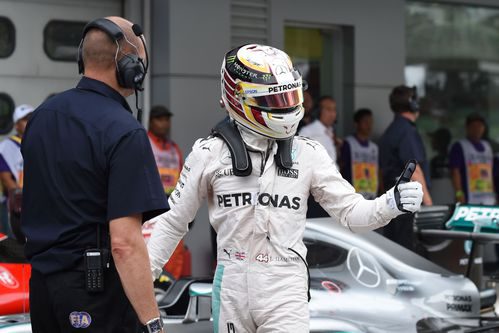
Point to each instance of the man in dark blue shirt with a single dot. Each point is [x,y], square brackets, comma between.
[90,179]
[400,143]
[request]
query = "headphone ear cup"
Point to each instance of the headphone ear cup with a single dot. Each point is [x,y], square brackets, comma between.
[130,72]
[79,59]
[413,105]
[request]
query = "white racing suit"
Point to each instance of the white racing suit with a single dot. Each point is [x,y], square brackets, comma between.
[260,284]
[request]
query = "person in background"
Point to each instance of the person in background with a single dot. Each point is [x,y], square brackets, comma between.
[11,161]
[400,143]
[471,165]
[322,129]
[359,156]
[169,162]
[308,108]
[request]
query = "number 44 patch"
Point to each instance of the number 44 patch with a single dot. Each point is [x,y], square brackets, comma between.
[262,257]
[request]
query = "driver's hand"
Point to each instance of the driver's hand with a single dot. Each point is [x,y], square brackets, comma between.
[411,196]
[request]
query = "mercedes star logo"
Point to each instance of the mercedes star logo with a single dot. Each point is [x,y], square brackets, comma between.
[363,268]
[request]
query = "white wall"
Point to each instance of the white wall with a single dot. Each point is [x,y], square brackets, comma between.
[189,41]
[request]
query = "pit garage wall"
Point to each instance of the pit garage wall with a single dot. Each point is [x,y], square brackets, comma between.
[189,40]
[379,45]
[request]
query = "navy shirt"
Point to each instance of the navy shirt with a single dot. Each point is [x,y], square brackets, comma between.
[86,161]
[400,143]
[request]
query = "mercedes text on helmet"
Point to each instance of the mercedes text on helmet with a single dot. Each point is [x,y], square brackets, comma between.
[262,91]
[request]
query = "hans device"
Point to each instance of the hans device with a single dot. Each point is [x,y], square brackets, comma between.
[405,177]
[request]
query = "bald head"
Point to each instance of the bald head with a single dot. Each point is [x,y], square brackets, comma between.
[100,52]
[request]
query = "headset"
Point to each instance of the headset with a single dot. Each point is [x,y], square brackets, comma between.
[130,69]
[414,101]
[411,105]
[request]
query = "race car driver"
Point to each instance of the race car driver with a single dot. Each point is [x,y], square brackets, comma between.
[257,177]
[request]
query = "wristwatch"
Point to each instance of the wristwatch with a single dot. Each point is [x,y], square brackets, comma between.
[154,325]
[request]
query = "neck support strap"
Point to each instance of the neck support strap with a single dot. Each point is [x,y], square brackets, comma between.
[241,162]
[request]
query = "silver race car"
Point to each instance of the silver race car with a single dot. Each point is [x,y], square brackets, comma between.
[359,283]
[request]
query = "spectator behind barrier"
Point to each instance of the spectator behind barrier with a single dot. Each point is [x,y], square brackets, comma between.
[169,162]
[359,160]
[471,165]
[322,129]
[11,167]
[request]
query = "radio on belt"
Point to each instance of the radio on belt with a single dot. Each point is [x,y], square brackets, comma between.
[94,270]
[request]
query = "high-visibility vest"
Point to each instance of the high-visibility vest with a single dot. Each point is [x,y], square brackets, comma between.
[364,166]
[479,173]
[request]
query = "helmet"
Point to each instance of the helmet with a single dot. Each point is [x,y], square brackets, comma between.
[262,91]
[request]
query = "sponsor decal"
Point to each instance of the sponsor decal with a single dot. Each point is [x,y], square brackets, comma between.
[465,215]
[234,199]
[7,279]
[264,199]
[265,258]
[277,201]
[288,173]
[284,87]
[80,319]
[280,69]
[243,71]
[363,268]
[266,77]
[224,173]
[402,285]
[458,303]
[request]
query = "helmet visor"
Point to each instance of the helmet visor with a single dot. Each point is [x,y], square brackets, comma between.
[277,96]
[284,100]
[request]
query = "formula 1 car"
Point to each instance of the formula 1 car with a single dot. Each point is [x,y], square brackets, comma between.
[359,283]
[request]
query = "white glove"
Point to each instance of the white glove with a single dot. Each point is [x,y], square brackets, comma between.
[411,196]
